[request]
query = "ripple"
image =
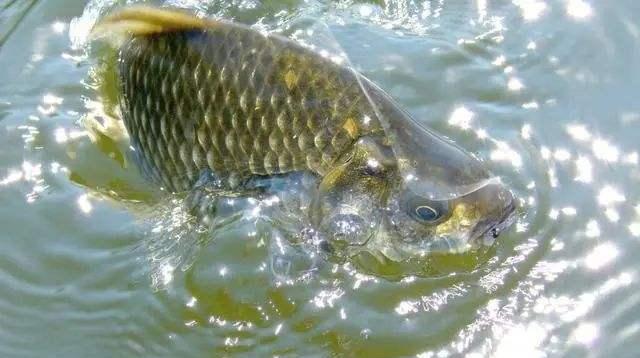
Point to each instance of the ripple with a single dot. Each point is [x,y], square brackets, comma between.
[339,291]
[539,89]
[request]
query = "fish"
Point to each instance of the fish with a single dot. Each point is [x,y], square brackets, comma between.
[219,105]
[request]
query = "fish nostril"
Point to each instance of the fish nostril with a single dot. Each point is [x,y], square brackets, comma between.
[495,232]
[326,247]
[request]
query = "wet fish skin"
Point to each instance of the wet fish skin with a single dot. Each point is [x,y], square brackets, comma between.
[201,96]
[233,101]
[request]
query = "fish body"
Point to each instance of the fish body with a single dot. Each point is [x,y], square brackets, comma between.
[202,96]
[238,103]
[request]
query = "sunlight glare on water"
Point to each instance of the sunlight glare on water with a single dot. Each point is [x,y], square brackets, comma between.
[579,9]
[542,91]
[531,9]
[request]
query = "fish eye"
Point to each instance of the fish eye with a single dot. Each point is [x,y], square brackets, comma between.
[426,213]
[424,210]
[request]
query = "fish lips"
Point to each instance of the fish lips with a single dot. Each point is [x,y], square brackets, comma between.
[488,230]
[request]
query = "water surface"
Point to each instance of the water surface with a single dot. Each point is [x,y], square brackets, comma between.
[544,91]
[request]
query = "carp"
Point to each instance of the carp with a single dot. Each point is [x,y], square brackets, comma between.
[216,104]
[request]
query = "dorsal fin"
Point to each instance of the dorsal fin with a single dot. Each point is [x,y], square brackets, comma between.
[140,20]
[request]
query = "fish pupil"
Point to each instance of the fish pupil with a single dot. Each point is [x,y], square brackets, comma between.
[426,213]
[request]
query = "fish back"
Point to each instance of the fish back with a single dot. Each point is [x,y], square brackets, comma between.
[230,99]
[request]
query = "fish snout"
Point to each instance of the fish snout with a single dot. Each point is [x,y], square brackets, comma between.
[497,206]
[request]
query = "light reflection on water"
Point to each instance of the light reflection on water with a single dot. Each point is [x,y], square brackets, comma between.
[562,282]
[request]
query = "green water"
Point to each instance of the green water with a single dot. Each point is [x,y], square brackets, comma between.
[545,91]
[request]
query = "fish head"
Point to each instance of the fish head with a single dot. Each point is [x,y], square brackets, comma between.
[416,225]
[410,195]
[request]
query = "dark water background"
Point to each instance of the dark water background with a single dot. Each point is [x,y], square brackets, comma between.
[544,90]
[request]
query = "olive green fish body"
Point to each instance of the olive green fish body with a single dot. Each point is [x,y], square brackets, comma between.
[215,108]
[237,102]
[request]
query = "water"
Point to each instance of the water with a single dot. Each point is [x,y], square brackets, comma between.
[544,91]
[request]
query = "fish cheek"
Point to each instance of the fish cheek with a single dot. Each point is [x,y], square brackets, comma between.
[349,213]
[357,187]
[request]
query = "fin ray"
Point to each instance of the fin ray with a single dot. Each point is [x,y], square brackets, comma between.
[140,20]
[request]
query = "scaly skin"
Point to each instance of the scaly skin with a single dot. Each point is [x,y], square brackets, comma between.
[237,103]
[223,107]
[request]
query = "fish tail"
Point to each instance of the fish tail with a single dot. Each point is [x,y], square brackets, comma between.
[141,20]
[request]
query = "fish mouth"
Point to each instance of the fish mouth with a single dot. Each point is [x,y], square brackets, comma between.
[487,231]
[500,216]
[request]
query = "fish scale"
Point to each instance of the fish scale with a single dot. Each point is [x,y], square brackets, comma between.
[237,103]
[219,109]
